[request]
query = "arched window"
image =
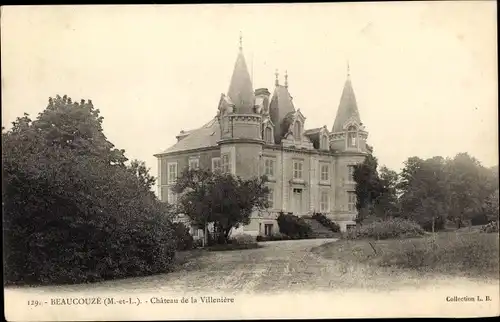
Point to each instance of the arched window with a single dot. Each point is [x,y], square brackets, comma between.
[268,135]
[352,136]
[324,142]
[297,130]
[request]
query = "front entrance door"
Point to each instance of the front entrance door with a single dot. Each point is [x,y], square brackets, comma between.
[297,201]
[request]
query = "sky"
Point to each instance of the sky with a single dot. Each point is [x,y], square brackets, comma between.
[424,74]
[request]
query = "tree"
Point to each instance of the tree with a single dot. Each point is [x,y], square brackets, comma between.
[368,186]
[73,210]
[469,186]
[424,196]
[222,199]
[386,205]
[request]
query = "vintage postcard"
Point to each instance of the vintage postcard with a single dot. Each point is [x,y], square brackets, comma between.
[270,161]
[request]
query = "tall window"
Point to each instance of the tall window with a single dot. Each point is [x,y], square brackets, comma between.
[270,198]
[351,202]
[350,173]
[172,172]
[268,135]
[324,168]
[297,169]
[216,164]
[297,130]
[324,202]
[351,136]
[226,164]
[324,142]
[269,167]
[194,164]
[171,197]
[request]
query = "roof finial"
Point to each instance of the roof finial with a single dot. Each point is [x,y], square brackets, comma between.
[286,78]
[241,41]
[276,82]
[348,69]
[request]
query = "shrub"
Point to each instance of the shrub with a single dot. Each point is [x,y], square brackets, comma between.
[492,227]
[294,226]
[325,221]
[385,229]
[227,247]
[183,237]
[243,239]
[275,236]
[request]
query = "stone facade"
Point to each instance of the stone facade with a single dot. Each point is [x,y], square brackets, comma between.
[309,170]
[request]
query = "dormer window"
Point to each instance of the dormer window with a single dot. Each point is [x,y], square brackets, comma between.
[297,130]
[352,136]
[324,142]
[268,135]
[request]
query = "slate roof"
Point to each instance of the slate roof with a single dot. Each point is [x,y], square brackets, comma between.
[240,89]
[281,105]
[348,108]
[205,136]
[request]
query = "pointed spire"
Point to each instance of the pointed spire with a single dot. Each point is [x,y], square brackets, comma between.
[240,89]
[348,107]
[277,81]
[286,78]
[241,42]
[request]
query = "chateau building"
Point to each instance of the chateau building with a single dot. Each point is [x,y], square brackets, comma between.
[254,132]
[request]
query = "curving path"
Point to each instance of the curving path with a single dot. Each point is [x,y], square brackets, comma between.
[280,266]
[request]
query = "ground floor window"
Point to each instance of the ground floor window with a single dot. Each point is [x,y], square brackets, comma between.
[351,203]
[268,229]
[350,226]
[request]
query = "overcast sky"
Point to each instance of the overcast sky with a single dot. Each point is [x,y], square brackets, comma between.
[424,73]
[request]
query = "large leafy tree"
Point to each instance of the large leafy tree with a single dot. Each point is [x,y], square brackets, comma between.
[73,209]
[368,187]
[222,199]
[424,196]
[469,186]
[386,205]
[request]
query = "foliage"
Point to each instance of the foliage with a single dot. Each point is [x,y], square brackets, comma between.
[242,239]
[222,199]
[368,186]
[325,221]
[385,229]
[492,227]
[436,190]
[273,237]
[236,246]
[73,210]
[183,237]
[387,204]
[293,226]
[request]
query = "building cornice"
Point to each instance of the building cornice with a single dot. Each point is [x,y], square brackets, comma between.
[202,149]
[240,140]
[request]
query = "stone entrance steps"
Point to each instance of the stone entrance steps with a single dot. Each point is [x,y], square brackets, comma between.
[319,231]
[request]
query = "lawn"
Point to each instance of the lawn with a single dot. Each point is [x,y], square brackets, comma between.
[468,254]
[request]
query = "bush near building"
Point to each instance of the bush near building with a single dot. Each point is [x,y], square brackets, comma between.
[184,239]
[325,221]
[294,226]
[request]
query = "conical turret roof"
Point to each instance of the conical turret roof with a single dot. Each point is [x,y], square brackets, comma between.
[348,108]
[240,89]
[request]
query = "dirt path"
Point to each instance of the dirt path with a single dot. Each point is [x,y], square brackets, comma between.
[281,266]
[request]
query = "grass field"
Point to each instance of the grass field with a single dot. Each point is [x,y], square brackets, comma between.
[468,254]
